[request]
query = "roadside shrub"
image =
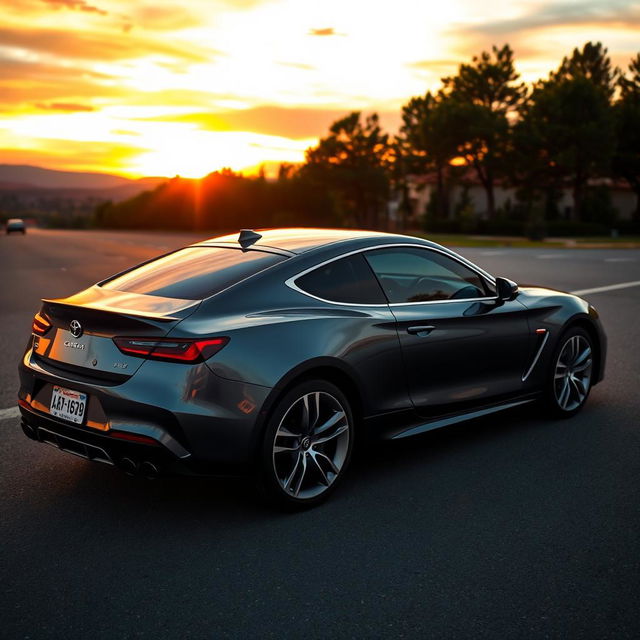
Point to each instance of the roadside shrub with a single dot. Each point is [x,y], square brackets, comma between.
[501,227]
[535,228]
[628,227]
[442,226]
[598,207]
[568,228]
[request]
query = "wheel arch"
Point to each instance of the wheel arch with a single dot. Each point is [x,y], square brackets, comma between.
[585,322]
[329,369]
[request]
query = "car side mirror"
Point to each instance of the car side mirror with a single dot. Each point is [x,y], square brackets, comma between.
[505,290]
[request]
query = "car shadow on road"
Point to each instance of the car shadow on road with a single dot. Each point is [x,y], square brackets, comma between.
[405,465]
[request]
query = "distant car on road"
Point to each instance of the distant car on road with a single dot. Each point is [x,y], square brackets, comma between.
[16,225]
[274,352]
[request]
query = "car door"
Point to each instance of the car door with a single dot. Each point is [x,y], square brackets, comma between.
[461,347]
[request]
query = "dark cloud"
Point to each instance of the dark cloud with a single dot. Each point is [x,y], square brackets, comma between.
[554,14]
[75,5]
[68,107]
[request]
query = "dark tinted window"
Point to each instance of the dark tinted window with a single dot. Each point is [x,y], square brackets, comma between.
[347,280]
[193,273]
[419,275]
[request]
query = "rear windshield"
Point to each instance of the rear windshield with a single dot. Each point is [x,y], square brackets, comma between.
[193,273]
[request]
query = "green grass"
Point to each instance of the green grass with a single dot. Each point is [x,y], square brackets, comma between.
[609,240]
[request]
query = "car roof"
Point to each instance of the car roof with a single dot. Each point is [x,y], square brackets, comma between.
[299,239]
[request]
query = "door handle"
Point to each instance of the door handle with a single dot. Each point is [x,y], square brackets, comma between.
[421,330]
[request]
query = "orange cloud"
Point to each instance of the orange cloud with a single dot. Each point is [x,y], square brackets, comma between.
[75,5]
[164,18]
[100,46]
[68,107]
[80,156]
[292,123]
[24,83]
[327,31]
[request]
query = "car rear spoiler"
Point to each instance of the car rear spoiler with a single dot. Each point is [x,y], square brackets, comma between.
[132,304]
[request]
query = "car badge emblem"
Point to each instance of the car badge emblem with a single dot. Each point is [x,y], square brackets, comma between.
[76,329]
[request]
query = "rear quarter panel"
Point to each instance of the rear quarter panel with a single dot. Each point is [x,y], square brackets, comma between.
[276,333]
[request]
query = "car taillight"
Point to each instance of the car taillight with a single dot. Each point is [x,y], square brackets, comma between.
[40,324]
[177,350]
[133,437]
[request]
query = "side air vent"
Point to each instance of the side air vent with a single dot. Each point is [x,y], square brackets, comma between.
[542,336]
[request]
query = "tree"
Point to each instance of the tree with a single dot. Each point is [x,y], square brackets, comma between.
[483,95]
[626,158]
[429,141]
[568,122]
[353,162]
[591,62]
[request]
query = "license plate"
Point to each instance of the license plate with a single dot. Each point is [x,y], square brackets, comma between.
[68,404]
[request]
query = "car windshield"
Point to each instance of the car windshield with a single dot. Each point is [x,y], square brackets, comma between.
[193,273]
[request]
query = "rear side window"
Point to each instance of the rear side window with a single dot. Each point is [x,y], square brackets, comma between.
[346,280]
[193,273]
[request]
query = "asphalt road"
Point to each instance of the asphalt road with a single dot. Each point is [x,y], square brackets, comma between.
[507,527]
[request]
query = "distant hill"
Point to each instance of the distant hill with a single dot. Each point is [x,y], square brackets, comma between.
[25,176]
[62,198]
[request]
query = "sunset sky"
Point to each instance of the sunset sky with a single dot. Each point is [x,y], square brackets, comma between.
[163,88]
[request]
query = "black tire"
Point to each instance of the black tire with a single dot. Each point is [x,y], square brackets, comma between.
[315,453]
[567,389]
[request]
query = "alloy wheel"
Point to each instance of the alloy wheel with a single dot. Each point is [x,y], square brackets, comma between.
[311,445]
[572,376]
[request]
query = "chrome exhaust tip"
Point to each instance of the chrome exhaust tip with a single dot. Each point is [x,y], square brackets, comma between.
[129,466]
[28,431]
[149,470]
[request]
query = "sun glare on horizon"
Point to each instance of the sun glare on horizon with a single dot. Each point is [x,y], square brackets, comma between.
[146,89]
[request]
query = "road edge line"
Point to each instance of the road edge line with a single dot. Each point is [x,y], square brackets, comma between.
[611,287]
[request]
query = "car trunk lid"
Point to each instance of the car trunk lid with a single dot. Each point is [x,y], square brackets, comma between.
[83,327]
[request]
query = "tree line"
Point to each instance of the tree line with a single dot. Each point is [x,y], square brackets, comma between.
[580,123]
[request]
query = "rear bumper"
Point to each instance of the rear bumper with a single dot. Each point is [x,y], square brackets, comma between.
[132,457]
[201,423]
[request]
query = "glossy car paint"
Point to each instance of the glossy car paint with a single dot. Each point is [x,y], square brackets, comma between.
[209,417]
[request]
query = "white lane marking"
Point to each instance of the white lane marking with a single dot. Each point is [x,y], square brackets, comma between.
[619,259]
[550,256]
[11,412]
[611,287]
